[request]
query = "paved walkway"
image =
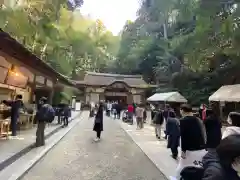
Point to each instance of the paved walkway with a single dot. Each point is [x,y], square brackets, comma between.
[156,150]
[12,147]
[77,156]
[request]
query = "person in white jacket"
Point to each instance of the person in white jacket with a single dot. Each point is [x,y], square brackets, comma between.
[234,121]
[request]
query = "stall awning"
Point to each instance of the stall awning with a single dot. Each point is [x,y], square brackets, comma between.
[168,97]
[229,93]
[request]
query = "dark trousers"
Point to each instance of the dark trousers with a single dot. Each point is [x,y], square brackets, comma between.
[118,114]
[140,122]
[40,139]
[14,124]
[174,151]
[65,121]
[108,113]
[99,134]
[59,119]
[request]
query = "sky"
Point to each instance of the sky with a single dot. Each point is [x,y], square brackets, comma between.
[113,13]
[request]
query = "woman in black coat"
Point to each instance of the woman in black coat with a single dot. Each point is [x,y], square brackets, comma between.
[213,130]
[98,123]
[173,133]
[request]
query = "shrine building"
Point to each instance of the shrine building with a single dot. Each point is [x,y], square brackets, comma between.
[112,87]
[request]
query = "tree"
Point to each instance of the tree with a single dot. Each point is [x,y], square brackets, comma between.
[183,42]
[64,39]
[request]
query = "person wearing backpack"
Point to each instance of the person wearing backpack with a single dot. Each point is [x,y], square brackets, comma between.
[45,115]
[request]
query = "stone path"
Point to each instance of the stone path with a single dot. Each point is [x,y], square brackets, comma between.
[156,150]
[26,138]
[77,156]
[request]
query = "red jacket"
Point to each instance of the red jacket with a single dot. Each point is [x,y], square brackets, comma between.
[130,108]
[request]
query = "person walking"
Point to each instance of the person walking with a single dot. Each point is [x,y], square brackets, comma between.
[193,136]
[144,115]
[66,115]
[98,122]
[130,113]
[213,129]
[158,121]
[173,134]
[166,115]
[92,107]
[45,115]
[118,109]
[139,116]
[108,108]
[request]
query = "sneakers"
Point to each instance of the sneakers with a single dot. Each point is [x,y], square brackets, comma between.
[97,139]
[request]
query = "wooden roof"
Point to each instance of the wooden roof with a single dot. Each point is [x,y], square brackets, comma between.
[106,79]
[14,49]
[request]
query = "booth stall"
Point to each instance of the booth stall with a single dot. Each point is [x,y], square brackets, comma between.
[226,99]
[167,97]
[174,99]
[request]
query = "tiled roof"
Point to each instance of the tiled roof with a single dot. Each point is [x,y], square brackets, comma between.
[105,79]
[13,48]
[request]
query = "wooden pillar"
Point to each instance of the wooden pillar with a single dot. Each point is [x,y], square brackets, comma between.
[33,87]
[130,98]
[50,99]
[52,90]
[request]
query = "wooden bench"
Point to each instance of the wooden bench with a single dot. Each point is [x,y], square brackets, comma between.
[5,128]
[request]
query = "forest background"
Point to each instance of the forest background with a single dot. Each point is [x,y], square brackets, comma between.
[190,46]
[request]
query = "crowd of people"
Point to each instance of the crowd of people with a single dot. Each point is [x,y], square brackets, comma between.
[206,152]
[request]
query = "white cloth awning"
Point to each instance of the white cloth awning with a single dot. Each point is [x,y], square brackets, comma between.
[229,93]
[168,97]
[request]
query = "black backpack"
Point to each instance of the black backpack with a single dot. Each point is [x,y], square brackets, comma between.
[192,173]
[47,113]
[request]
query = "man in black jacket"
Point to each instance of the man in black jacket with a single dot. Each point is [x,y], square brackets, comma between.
[158,121]
[192,134]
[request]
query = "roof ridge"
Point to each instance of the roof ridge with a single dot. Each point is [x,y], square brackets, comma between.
[113,75]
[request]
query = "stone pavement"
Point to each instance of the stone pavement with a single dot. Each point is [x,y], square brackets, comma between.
[156,150]
[20,166]
[78,157]
[11,149]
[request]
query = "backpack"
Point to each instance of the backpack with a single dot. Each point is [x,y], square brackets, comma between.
[192,173]
[48,113]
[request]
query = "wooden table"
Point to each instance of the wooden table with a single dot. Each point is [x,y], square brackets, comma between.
[4,128]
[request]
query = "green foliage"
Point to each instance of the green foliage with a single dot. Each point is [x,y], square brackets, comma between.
[64,39]
[188,44]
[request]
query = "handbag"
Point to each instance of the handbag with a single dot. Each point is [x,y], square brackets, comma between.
[98,120]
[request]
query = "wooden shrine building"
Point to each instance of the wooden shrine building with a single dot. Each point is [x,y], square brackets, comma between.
[22,72]
[112,87]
